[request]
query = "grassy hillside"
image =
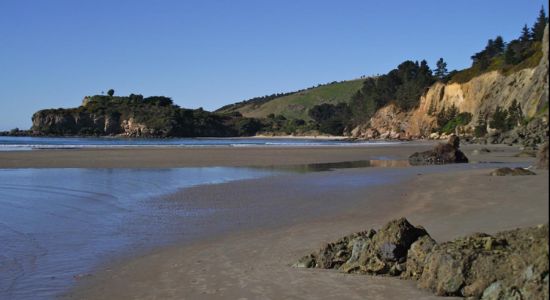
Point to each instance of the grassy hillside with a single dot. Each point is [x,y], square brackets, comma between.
[296,105]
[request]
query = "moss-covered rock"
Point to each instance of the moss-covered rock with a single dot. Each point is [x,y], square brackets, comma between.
[508,265]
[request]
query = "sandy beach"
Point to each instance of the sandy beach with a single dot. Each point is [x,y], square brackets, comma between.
[255,262]
[160,157]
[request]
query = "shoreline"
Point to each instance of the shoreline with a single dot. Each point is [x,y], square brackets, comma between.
[291,215]
[255,263]
[169,157]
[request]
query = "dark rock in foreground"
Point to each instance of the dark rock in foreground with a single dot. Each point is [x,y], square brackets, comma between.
[511,172]
[368,252]
[509,265]
[442,154]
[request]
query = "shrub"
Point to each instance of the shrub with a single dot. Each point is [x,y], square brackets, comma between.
[460,120]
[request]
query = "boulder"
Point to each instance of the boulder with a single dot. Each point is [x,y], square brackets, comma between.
[382,252]
[417,255]
[542,157]
[508,265]
[493,267]
[441,154]
[511,172]
[371,133]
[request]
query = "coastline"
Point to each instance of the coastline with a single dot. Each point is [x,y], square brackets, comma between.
[169,157]
[255,262]
[276,220]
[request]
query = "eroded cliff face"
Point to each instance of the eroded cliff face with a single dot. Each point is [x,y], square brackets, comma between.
[481,95]
[63,122]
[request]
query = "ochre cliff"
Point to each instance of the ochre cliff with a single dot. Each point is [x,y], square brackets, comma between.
[479,96]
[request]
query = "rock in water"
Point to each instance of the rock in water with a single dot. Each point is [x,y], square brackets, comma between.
[511,172]
[442,154]
[542,157]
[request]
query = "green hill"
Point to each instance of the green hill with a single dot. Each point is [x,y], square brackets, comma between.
[296,105]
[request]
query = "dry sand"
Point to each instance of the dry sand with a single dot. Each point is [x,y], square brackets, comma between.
[254,263]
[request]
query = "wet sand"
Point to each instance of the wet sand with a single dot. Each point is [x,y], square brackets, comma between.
[159,157]
[254,263]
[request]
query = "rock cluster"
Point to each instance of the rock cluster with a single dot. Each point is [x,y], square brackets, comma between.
[442,154]
[532,134]
[509,265]
[368,252]
[511,172]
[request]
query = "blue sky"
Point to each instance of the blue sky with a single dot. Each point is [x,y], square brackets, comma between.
[211,53]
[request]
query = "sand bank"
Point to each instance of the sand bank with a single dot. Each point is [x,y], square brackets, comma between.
[160,157]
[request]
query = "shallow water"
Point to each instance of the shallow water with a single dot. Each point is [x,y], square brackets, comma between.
[8,143]
[57,223]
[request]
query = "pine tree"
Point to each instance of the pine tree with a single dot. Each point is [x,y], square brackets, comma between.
[525,34]
[510,56]
[441,69]
[499,45]
[538,27]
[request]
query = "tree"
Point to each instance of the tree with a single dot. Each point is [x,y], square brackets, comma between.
[500,119]
[525,34]
[538,27]
[248,126]
[515,115]
[498,45]
[510,55]
[111,92]
[331,119]
[441,69]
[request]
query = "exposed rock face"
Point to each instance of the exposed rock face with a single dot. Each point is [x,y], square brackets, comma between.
[66,122]
[511,172]
[442,154]
[490,267]
[480,95]
[509,265]
[532,134]
[542,157]
[416,257]
[382,252]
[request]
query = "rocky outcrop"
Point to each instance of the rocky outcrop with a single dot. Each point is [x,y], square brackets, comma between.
[542,157]
[73,122]
[135,116]
[442,154]
[511,172]
[368,252]
[532,134]
[479,96]
[70,122]
[509,265]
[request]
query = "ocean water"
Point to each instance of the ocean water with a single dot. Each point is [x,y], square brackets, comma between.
[8,143]
[55,224]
